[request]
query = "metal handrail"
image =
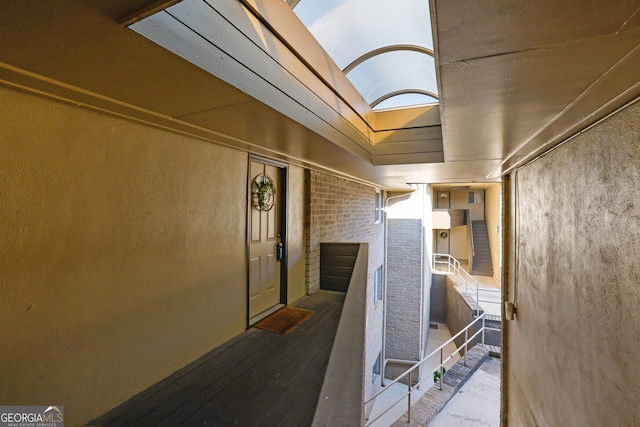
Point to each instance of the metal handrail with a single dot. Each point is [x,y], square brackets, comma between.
[418,364]
[455,268]
[470,228]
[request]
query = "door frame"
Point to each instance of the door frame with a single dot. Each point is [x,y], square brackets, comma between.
[282,200]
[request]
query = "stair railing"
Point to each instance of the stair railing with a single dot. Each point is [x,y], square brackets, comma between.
[472,246]
[461,276]
[417,365]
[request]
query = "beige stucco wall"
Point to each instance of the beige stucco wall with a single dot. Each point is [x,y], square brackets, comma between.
[459,243]
[459,236]
[575,276]
[122,253]
[460,200]
[492,215]
[295,234]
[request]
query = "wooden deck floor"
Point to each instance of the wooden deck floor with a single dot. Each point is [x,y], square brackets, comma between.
[259,378]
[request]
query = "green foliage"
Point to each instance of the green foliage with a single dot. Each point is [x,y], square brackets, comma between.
[264,187]
[436,374]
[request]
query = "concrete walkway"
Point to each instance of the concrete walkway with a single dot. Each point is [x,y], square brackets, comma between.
[477,403]
[424,411]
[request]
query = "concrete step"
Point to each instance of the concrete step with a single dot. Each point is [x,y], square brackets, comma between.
[482,265]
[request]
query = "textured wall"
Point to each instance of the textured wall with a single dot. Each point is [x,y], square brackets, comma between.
[439,298]
[295,234]
[404,287]
[408,276]
[344,211]
[339,211]
[122,253]
[460,312]
[493,218]
[459,243]
[573,350]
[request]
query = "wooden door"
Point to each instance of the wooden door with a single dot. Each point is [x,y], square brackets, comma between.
[264,237]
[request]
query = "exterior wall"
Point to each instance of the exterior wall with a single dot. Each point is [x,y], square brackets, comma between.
[493,212]
[404,279]
[460,200]
[295,234]
[574,274]
[344,211]
[123,253]
[459,236]
[408,286]
[460,311]
[459,243]
[439,298]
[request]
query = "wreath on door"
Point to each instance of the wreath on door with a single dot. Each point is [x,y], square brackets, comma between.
[263,191]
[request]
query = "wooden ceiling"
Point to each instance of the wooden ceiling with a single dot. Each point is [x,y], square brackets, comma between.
[516,78]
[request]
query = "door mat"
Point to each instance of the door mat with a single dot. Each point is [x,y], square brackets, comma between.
[284,320]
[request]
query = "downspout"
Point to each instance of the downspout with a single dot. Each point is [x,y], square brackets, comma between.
[422,188]
[384,299]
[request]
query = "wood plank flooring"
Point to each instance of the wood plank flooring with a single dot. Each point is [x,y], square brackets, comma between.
[259,378]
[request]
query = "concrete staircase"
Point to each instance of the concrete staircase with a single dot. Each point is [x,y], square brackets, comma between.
[482,253]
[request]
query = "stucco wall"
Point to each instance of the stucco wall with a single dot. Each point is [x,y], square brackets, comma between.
[492,215]
[295,234]
[459,243]
[122,253]
[575,277]
[460,312]
[438,301]
[460,200]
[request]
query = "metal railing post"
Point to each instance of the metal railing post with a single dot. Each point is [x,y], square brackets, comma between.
[409,400]
[483,328]
[466,342]
[441,368]
[477,300]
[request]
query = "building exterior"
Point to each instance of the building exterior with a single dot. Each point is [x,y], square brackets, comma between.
[127,192]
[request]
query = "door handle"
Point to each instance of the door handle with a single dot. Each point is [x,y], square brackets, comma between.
[279,251]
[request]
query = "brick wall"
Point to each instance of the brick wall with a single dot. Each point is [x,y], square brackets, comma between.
[340,210]
[408,276]
[404,287]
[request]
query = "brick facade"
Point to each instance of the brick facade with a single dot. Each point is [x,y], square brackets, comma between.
[340,210]
[408,283]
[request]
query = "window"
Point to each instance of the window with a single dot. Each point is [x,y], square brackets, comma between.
[475,197]
[376,368]
[378,214]
[377,285]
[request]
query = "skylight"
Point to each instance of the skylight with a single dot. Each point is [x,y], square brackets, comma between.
[385,48]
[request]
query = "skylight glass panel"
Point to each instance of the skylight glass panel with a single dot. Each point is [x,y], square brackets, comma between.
[392,72]
[347,29]
[351,30]
[405,100]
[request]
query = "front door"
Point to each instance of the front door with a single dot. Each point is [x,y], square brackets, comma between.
[264,237]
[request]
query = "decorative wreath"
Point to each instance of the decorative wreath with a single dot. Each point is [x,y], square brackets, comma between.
[444,234]
[263,190]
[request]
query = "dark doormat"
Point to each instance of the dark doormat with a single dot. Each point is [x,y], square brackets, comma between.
[284,320]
